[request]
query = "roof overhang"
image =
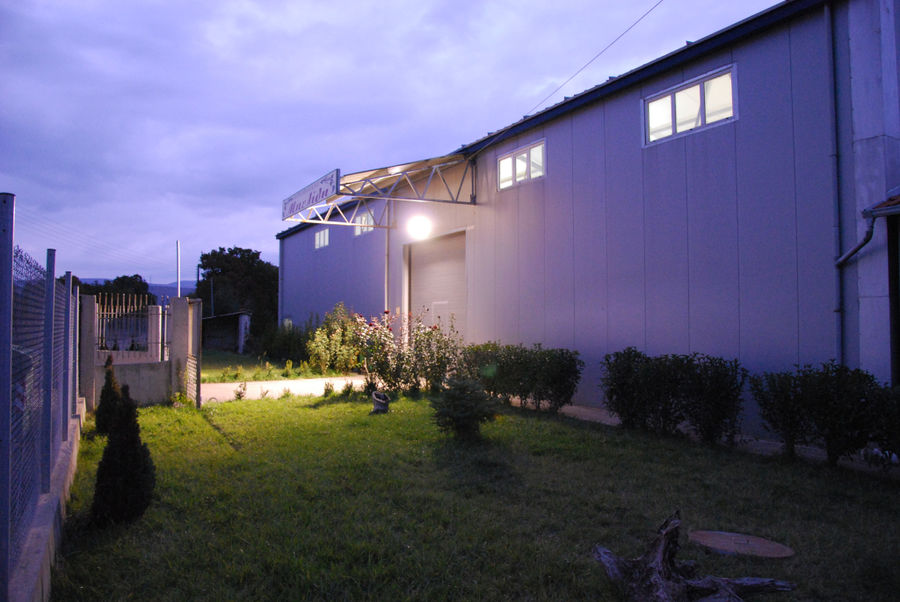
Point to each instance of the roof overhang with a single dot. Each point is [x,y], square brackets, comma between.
[341,199]
[889,207]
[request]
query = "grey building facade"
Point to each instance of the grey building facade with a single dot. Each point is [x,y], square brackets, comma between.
[710,201]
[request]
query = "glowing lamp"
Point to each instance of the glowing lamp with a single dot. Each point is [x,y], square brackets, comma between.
[419,227]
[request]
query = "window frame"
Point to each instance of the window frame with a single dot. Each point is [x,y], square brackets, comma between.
[320,240]
[363,223]
[514,157]
[670,93]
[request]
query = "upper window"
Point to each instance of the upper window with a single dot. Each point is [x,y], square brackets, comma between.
[520,165]
[695,105]
[364,223]
[322,238]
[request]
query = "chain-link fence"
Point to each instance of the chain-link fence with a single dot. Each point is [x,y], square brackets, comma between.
[27,391]
[38,352]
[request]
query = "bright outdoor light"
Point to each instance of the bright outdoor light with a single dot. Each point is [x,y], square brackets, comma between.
[419,227]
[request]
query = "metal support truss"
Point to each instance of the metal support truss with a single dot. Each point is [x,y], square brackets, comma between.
[362,193]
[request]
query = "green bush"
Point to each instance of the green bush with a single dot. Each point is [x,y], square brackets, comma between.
[661,383]
[658,393]
[126,475]
[538,377]
[334,345]
[782,408]
[711,397]
[622,373]
[886,428]
[462,407]
[481,362]
[841,404]
[288,342]
[558,373]
[110,400]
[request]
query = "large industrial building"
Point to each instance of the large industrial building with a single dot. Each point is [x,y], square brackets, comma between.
[735,197]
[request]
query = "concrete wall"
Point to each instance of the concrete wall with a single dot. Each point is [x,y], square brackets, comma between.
[149,380]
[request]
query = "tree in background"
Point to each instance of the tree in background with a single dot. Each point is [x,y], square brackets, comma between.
[134,284]
[237,279]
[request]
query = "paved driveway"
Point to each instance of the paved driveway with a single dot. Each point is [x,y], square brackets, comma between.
[212,392]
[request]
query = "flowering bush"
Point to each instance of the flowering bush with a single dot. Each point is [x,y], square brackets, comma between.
[385,360]
[435,353]
[403,358]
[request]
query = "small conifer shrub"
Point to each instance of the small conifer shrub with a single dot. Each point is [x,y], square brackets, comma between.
[110,399]
[462,407]
[126,475]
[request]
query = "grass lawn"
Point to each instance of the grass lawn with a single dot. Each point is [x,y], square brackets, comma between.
[311,498]
[225,366]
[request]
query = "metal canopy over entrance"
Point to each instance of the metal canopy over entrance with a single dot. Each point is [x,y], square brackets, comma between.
[343,200]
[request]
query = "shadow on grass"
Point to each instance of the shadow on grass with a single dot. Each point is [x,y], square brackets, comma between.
[338,398]
[478,466]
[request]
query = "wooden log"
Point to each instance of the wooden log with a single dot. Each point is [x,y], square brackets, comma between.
[657,576]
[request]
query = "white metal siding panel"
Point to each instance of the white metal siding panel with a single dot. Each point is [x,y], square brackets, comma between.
[438,280]
[350,269]
[589,247]
[713,243]
[625,222]
[506,269]
[558,314]
[481,322]
[531,206]
[814,181]
[665,223]
[767,205]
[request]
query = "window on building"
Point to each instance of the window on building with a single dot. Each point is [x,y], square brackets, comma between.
[521,165]
[322,238]
[364,223]
[699,103]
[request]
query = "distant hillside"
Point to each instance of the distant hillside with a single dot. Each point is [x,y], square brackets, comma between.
[160,290]
[171,289]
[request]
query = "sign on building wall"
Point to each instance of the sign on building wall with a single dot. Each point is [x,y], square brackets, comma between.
[311,195]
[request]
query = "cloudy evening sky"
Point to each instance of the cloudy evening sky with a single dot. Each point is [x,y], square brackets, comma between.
[125,126]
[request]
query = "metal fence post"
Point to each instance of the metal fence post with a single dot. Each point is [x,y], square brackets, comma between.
[76,349]
[47,409]
[67,358]
[7,211]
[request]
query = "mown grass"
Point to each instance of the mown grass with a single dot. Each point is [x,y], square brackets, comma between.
[311,498]
[225,366]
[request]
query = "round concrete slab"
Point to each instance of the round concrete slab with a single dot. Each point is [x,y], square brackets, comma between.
[739,543]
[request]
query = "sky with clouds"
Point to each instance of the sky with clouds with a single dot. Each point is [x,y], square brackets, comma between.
[125,126]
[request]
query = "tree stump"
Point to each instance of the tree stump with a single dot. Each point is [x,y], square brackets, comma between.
[657,576]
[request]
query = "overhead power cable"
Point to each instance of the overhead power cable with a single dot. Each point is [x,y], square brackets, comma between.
[596,56]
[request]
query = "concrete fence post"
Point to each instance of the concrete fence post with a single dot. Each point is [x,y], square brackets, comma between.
[87,352]
[155,342]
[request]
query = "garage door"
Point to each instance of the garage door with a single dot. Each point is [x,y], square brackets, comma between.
[437,280]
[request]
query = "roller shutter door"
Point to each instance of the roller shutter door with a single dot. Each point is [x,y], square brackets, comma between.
[438,280]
